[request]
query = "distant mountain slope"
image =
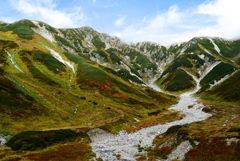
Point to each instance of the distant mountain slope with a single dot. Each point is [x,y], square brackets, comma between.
[227,90]
[47,80]
[200,58]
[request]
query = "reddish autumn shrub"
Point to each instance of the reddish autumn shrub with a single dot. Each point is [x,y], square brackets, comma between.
[71,152]
[214,150]
[163,152]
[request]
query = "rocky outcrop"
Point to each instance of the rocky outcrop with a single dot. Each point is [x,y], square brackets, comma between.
[179,152]
[3,139]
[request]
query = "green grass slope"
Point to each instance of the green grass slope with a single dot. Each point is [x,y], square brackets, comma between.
[227,91]
[51,88]
[178,81]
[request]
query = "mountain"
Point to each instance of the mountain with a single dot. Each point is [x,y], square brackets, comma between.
[49,74]
[79,78]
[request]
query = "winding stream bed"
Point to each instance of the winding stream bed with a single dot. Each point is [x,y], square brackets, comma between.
[107,145]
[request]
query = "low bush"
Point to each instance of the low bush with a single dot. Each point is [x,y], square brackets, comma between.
[125,74]
[179,62]
[98,42]
[63,41]
[217,73]
[32,140]
[234,130]
[214,150]
[173,129]
[22,28]
[37,73]
[50,62]
[115,58]
[207,109]
[163,152]
[178,81]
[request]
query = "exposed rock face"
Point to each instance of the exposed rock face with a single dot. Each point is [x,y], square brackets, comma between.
[99,134]
[230,140]
[180,151]
[3,139]
[169,143]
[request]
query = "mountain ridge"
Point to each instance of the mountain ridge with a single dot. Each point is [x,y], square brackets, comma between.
[152,57]
[81,79]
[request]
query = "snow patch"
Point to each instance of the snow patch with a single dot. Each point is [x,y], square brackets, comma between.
[18,84]
[221,80]
[182,51]
[3,139]
[202,56]
[215,46]
[198,80]
[136,119]
[41,30]
[14,62]
[98,59]
[209,68]
[207,51]
[59,57]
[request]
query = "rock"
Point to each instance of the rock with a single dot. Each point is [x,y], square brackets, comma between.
[170,142]
[3,139]
[180,151]
[99,134]
[230,140]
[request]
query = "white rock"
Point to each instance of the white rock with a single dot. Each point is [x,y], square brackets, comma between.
[180,151]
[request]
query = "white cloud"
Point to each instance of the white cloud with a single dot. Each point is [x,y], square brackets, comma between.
[211,18]
[45,10]
[157,29]
[94,1]
[119,22]
[225,13]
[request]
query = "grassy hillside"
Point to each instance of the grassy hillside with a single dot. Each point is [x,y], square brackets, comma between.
[227,91]
[178,81]
[51,88]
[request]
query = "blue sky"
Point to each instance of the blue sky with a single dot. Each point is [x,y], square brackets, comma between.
[160,21]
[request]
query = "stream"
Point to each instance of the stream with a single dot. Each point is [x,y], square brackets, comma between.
[107,145]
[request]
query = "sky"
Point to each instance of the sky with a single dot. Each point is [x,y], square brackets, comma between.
[160,21]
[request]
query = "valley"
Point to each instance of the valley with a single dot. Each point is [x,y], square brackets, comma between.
[121,98]
[126,144]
